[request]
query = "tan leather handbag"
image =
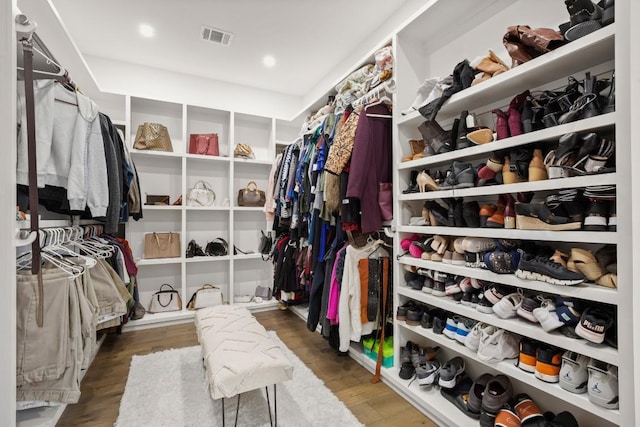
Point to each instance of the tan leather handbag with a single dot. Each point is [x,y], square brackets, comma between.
[251,195]
[161,245]
[244,151]
[152,136]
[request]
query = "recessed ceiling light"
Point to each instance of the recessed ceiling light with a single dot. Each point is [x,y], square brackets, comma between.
[269,61]
[146,30]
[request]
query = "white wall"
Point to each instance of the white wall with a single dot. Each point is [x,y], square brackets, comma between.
[138,80]
[7,215]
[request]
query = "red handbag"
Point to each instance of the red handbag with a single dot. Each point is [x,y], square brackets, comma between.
[204,143]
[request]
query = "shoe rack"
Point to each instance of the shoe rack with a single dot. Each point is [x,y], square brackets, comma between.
[430,45]
[174,173]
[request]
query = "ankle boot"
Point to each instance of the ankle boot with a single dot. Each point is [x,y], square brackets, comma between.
[497,219]
[515,113]
[502,124]
[485,212]
[462,141]
[537,170]
[508,176]
[434,135]
[417,149]
[413,184]
[610,103]
[491,65]
[509,212]
[592,109]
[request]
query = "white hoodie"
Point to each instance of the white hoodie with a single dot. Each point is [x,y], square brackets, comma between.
[70,149]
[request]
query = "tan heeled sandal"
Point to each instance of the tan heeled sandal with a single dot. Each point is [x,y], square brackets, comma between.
[587,264]
[425,182]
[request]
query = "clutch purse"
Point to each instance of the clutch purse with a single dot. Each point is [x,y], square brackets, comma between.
[206,296]
[204,144]
[251,196]
[263,292]
[161,245]
[166,299]
[201,194]
[152,136]
[153,199]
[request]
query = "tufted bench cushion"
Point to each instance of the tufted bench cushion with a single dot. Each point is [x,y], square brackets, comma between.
[238,354]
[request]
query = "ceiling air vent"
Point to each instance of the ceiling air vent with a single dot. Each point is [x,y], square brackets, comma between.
[214,35]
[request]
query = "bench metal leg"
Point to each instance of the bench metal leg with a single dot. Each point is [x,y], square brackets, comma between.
[223,412]
[273,422]
[237,410]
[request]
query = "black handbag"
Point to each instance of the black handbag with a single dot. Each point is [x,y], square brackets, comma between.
[217,247]
[266,243]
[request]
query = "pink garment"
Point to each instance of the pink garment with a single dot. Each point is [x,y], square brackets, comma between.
[334,292]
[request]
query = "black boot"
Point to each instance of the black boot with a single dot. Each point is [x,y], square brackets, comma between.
[610,103]
[413,184]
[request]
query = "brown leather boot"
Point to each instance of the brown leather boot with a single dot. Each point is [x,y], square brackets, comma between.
[417,150]
[537,170]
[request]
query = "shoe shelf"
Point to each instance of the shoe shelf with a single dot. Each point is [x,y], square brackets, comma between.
[588,51]
[586,291]
[602,237]
[521,187]
[483,150]
[517,326]
[509,368]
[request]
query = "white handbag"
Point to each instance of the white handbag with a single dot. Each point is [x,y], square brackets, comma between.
[206,296]
[201,194]
[166,299]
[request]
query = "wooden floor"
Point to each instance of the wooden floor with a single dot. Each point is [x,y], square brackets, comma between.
[103,385]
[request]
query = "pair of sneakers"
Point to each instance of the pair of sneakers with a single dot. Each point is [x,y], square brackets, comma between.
[580,374]
[541,359]
[458,327]
[491,343]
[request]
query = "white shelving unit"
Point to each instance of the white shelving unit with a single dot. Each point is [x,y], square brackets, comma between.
[419,55]
[174,174]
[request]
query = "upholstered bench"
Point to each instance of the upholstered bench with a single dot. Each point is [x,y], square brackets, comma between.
[238,354]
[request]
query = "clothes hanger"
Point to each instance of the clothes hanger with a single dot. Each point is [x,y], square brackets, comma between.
[382,100]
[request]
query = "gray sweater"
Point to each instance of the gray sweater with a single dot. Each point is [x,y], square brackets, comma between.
[70,149]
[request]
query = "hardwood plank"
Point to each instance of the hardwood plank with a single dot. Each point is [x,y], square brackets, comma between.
[103,385]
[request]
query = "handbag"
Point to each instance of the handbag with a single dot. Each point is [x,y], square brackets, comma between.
[385,200]
[217,247]
[251,196]
[201,194]
[194,249]
[244,151]
[152,136]
[266,243]
[157,200]
[263,292]
[206,296]
[166,299]
[161,245]
[204,143]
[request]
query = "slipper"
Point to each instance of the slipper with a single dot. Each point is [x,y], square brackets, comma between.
[459,395]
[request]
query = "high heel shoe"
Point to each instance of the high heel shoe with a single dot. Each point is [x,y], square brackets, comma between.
[425,182]
[537,170]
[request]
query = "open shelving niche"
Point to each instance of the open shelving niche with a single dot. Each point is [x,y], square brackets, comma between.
[174,173]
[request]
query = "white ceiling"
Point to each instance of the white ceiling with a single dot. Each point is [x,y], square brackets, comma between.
[308,38]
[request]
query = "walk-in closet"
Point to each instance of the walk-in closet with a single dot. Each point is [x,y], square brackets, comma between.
[355,213]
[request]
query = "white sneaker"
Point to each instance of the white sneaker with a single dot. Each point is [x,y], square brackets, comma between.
[497,346]
[603,384]
[451,327]
[547,316]
[573,373]
[508,306]
[472,340]
[464,327]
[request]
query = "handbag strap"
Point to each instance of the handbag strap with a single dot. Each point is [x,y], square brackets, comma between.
[208,286]
[172,289]
[255,187]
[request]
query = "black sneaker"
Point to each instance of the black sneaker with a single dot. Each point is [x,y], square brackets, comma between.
[594,323]
[427,285]
[427,320]
[526,308]
[407,370]
[484,305]
[438,324]
[414,315]
[540,268]
[597,215]
[466,298]
[438,289]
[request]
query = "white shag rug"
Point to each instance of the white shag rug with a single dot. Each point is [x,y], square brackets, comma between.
[168,388]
